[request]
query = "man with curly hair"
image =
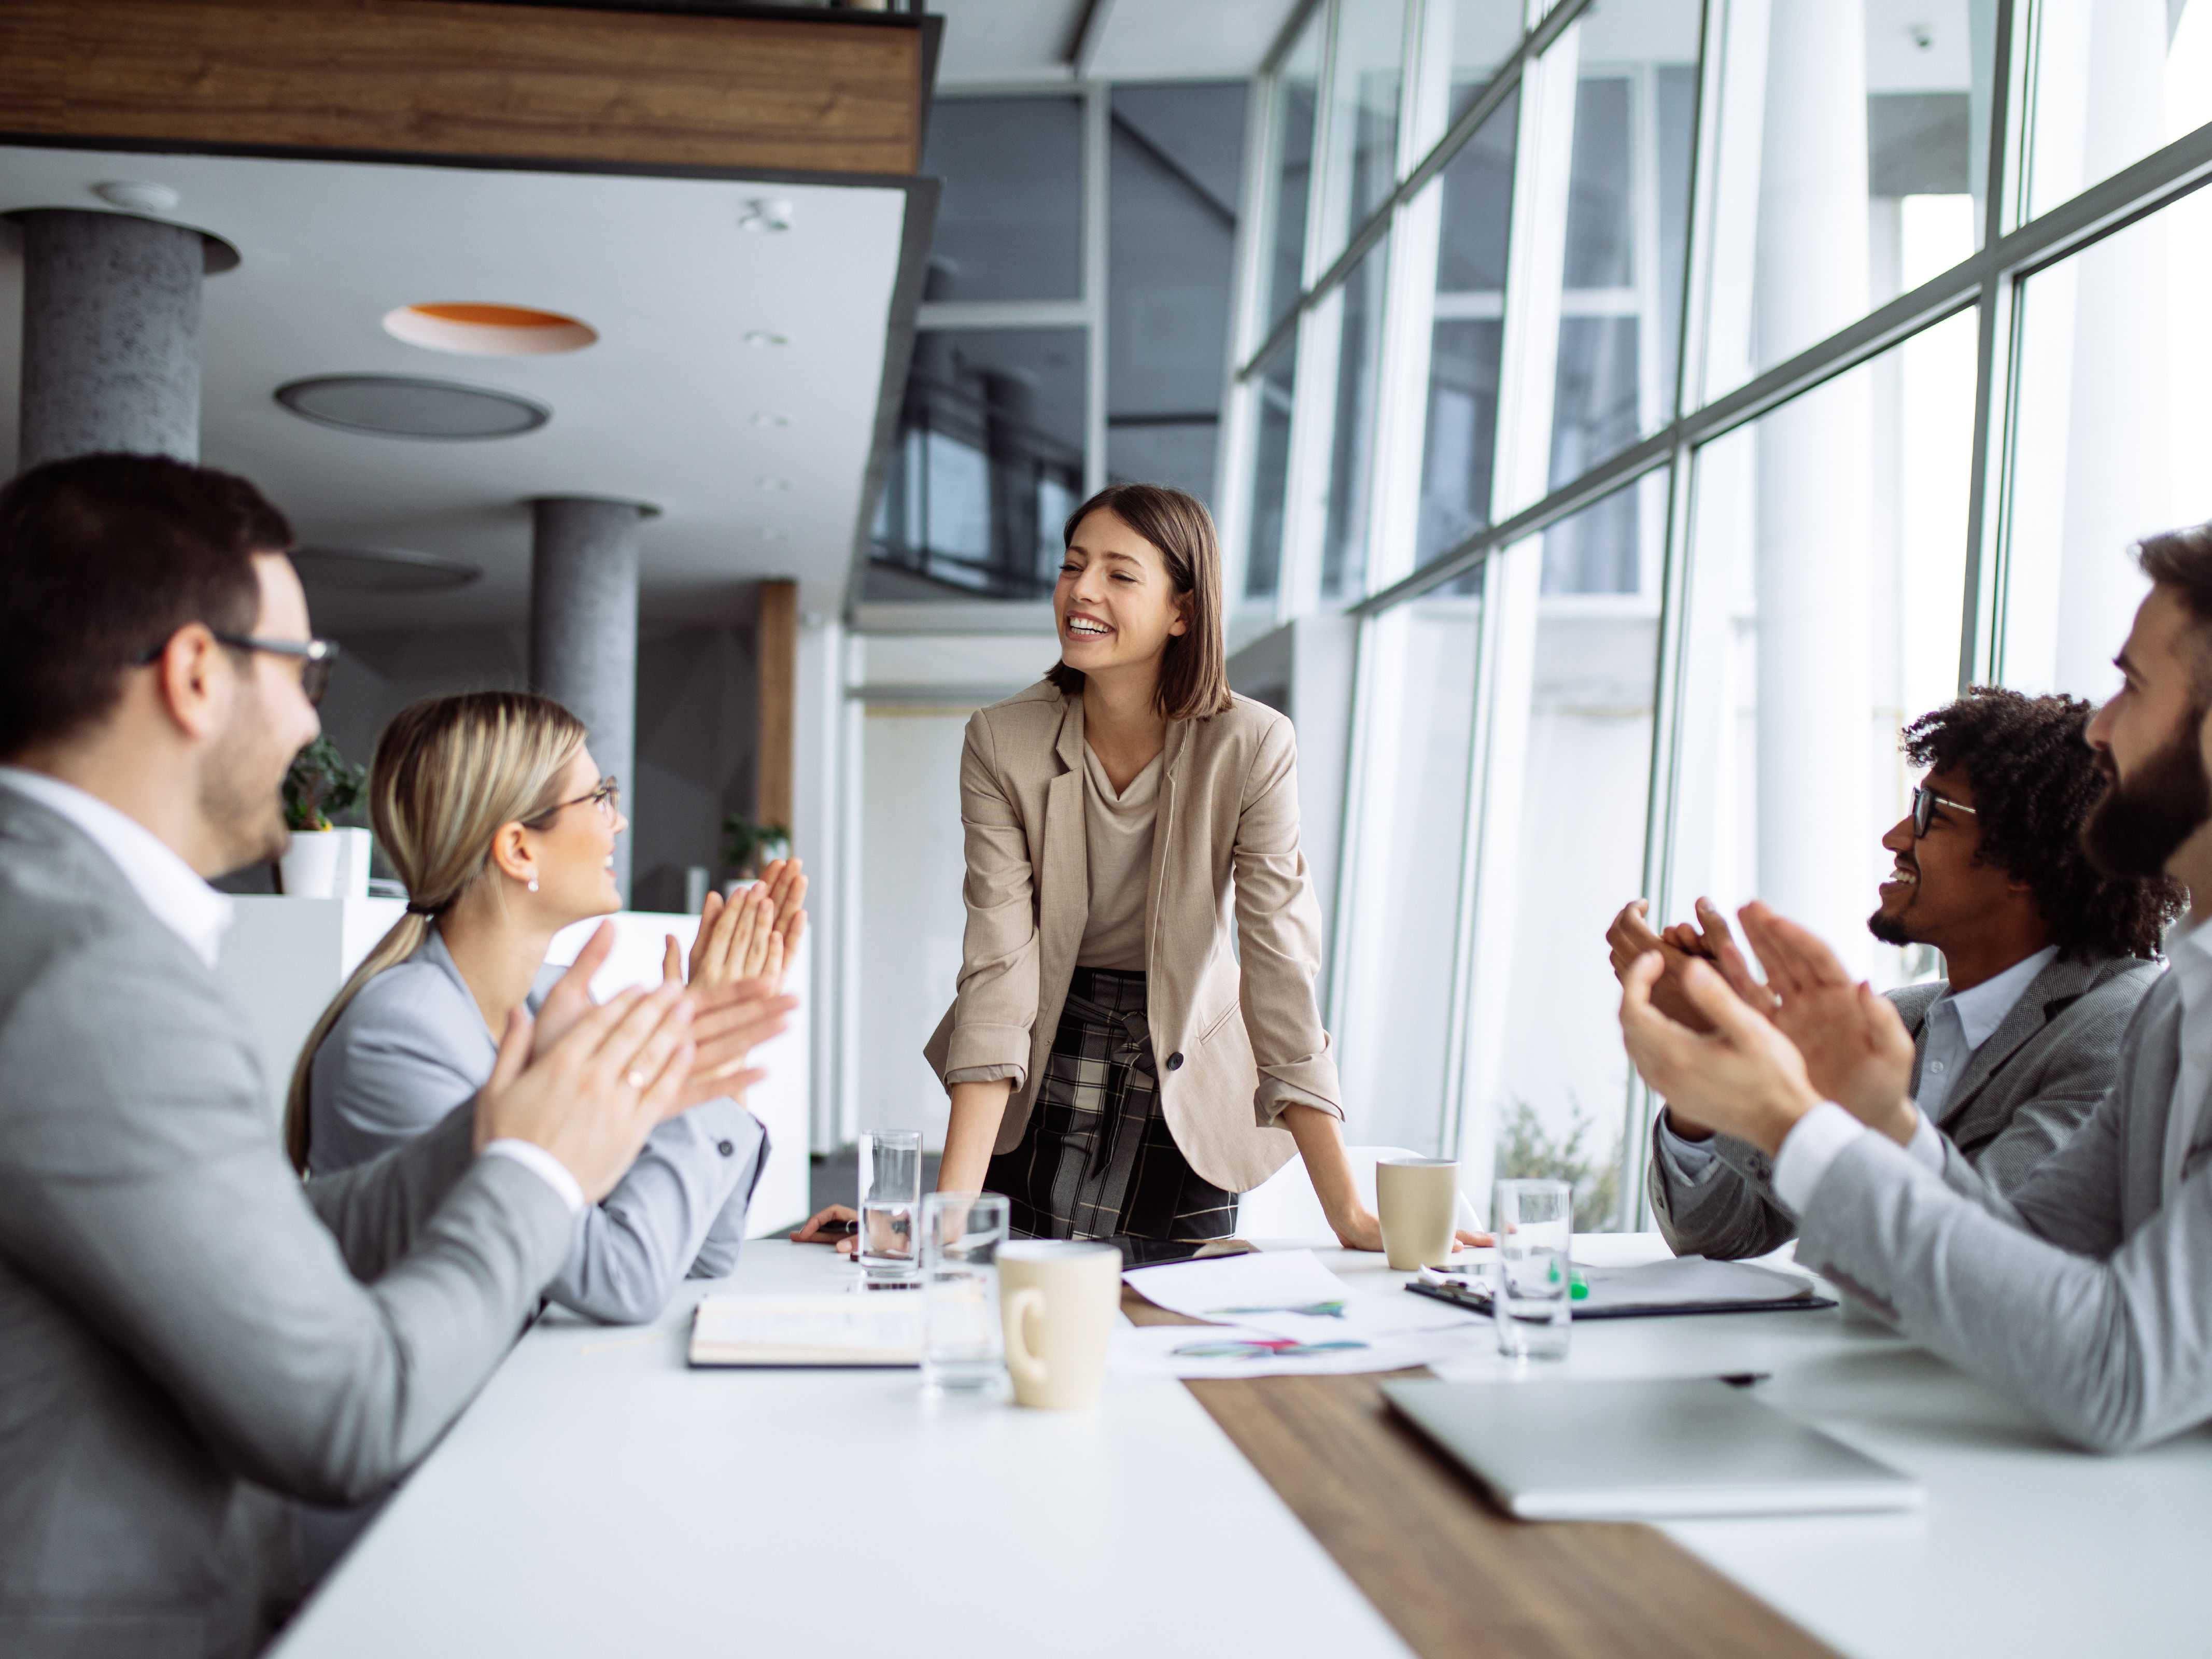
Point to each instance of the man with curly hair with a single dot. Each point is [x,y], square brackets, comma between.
[2046,956]
[2081,1295]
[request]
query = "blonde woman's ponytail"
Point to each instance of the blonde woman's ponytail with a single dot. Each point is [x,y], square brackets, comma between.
[449,773]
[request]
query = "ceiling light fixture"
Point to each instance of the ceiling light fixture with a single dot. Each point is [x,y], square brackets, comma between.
[381,570]
[765,336]
[766,214]
[488,330]
[137,197]
[405,406]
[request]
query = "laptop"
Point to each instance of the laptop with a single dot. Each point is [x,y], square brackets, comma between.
[1568,1449]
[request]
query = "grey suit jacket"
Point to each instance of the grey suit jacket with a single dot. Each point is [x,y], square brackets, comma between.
[2026,1092]
[413,1045]
[182,1323]
[2079,1296]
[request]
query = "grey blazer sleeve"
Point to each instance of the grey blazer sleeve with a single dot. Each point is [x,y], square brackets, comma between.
[143,1186]
[636,1244]
[2112,1353]
[1727,1211]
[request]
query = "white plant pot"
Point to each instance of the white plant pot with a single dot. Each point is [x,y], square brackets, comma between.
[326,864]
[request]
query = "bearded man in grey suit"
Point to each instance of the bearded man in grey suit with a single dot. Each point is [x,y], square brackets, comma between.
[188,1335]
[2081,1296]
[2047,958]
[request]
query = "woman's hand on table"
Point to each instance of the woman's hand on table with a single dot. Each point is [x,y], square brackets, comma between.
[831,1226]
[1362,1230]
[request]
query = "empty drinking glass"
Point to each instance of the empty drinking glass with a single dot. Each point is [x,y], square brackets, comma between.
[963,1345]
[890,1192]
[1534,1221]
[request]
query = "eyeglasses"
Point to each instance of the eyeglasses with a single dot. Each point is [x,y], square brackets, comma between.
[606,795]
[1924,802]
[316,658]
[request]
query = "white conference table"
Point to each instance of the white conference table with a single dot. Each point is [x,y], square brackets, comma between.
[600,1496]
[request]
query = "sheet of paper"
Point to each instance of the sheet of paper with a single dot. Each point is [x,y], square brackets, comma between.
[1690,1278]
[1242,1351]
[835,1324]
[1287,1293]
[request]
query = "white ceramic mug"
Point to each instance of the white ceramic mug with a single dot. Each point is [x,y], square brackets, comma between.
[1058,1297]
[1419,1201]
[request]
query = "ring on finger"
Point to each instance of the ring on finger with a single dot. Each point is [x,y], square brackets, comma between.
[637,1078]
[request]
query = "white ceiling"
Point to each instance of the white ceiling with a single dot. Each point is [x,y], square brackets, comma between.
[663,409]
[995,41]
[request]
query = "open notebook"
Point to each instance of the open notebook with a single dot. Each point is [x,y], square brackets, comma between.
[828,1330]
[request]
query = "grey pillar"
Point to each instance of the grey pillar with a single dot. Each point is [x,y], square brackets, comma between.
[111,336]
[583,628]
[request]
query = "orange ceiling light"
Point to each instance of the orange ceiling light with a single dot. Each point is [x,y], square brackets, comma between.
[476,329]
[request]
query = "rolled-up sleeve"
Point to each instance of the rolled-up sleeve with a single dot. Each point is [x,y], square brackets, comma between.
[997,1003]
[1279,940]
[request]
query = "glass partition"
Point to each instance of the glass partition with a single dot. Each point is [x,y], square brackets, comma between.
[1010,222]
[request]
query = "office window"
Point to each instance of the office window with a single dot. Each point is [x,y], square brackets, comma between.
[1294,125]
[1270,472]
[2108,82]
[1857,111]
[1010,224]
[1172,195]
[1358,322]
[2112,441]
[1365,99]
[1399,955]
[1467,333]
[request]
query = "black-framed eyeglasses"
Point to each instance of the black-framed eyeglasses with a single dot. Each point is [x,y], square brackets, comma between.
[606,795]
[1924,802]
[316,657]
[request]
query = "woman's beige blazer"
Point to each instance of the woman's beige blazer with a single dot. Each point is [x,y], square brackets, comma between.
[1227,834]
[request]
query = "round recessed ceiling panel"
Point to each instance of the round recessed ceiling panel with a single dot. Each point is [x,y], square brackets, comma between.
[403,406]
[381,570]
[488,331]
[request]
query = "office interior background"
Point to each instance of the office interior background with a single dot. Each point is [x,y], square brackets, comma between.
[1620,417]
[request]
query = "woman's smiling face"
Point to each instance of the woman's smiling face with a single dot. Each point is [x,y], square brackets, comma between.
[1116,604]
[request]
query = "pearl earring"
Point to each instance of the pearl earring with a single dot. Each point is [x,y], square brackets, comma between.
[533,883]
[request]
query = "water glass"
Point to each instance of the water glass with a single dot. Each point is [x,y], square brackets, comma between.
[962,1344]
[890,1192]
[1534,1222]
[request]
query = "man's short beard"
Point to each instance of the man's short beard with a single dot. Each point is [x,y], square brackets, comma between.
[2137,824]
[240,799]
[1889,929]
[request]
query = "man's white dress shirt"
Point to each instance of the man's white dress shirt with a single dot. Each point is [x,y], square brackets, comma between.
[198,914]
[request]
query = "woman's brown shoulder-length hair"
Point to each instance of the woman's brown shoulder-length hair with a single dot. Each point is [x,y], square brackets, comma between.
[1195,668]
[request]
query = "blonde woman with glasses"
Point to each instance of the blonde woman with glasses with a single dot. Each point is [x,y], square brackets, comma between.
[490,809]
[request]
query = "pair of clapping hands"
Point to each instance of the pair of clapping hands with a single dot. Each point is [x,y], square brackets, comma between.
[1727,1052]
[589,1082]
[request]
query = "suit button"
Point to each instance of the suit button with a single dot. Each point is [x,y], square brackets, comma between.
[725,1148]
[1175,1061]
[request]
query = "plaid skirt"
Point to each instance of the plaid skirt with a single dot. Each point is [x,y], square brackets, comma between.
[1097,1158]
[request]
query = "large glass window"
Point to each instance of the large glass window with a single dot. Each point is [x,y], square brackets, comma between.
[1828,564]
[1172,241]
[1010,223]
[1467,333]
[1856,111]
[1271,472]
[1400,937]
[1290,152]
[989,462]
[2111,442]
[1358,324]
[1365,101]
[2108,82]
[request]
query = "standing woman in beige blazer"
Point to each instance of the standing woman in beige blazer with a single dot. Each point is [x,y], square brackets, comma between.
[1112,1069]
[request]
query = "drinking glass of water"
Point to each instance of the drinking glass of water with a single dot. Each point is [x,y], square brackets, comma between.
[890,1192]
[962,1344]
[1534,1222]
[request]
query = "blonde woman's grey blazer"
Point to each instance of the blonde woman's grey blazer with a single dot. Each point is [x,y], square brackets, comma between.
[1233,1045]
[413,1045]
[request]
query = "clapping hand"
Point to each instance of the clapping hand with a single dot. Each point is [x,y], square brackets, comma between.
[591,1096]
[751,935]
[1740,1075]
[1857,1050]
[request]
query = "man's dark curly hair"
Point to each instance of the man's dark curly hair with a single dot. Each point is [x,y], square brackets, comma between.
[2035,778]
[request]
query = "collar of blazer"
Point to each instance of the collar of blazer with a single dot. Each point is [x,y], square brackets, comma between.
[2051,991]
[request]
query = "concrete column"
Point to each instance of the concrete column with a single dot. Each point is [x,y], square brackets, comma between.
[583,628]
[1812,569]
[111,336]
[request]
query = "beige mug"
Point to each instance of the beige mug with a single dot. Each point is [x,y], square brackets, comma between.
[1058,1298]
[1418,1200]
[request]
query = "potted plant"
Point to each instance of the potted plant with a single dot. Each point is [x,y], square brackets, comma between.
[746,846]
[323,862]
